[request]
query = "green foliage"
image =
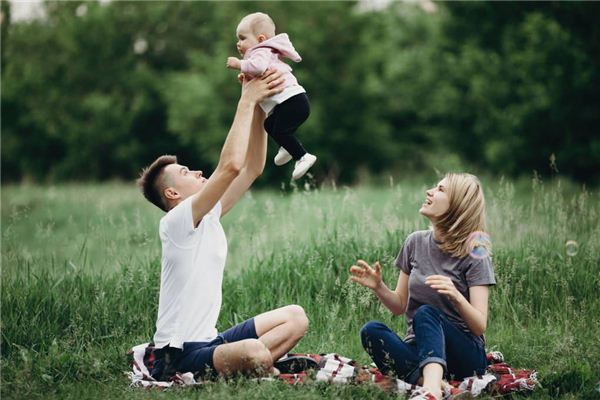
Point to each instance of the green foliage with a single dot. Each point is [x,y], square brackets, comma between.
[96,91]
[81,264]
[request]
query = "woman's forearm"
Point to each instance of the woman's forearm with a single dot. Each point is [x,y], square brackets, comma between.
[475,319]
[390,299]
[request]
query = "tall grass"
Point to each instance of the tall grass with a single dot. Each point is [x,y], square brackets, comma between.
[81,266]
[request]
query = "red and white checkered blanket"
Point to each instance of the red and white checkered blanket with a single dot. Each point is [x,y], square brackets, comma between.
[499,378]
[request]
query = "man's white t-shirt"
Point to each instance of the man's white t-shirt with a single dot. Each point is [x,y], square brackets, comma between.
[193,260]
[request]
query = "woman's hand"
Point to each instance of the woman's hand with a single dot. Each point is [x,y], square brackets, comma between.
[444,285]
[258,89]
[365,275]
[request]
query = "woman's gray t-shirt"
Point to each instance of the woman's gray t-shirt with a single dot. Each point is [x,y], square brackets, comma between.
[420,257]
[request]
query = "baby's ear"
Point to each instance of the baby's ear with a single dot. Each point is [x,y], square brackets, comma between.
[261,38]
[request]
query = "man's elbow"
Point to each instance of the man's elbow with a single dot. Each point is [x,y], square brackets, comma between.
[256,170]
[232,168]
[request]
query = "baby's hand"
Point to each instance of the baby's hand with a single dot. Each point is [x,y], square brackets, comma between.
[233,63]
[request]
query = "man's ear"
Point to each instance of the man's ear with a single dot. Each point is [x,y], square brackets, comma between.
[171,194]
[261,38]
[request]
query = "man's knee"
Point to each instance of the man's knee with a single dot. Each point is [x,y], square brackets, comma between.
[257,355]
[298,318]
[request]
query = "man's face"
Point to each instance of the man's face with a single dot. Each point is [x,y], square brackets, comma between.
[183,180]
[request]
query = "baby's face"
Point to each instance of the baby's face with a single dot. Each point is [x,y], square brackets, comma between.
[246,38]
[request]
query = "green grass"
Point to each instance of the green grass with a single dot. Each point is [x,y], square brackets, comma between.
[81,266]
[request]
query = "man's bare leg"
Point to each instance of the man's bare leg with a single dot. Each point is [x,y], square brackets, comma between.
[281,329]
[278,332]
[248,357]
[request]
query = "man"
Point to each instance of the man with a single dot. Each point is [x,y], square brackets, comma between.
[194,249]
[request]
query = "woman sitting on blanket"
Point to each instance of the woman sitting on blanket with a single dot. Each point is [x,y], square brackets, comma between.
[442,289]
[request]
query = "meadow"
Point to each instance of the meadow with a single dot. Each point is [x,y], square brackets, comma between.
[81,267]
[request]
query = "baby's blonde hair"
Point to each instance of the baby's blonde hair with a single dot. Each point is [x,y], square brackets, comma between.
[260,24]
[465,215]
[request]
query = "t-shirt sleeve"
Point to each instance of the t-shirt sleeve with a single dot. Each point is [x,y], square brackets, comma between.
[480,272]
[404,257]
[178,225]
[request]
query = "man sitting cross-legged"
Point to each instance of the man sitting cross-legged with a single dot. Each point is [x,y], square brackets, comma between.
[194,249]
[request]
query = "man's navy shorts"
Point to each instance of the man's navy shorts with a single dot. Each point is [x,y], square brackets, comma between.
[197,357]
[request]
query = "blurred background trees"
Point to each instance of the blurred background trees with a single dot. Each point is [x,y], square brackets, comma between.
[96,91]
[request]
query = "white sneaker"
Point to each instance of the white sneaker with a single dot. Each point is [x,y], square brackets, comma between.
[282,157]
[303,165]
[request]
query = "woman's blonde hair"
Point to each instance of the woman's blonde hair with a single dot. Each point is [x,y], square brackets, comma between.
[465,215]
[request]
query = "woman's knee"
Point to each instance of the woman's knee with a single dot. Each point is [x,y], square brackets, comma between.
[372,330]
[426,311]
[372,326]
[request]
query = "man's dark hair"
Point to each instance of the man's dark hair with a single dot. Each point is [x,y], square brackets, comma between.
[150,181]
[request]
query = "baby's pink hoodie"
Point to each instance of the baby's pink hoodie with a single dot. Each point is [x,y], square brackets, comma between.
[269,54]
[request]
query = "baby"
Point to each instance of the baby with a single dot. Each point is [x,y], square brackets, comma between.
[286,111]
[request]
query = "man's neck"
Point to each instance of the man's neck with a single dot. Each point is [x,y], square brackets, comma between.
[173,204]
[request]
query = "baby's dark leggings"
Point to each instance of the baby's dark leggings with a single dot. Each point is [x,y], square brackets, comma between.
[282,124]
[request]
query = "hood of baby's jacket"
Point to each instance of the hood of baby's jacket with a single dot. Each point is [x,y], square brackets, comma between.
[282,44]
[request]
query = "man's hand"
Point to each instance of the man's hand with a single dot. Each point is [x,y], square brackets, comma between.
[241,78]
[258,89]
[233,63]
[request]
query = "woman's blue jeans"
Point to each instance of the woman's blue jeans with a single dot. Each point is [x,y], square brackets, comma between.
[437,340]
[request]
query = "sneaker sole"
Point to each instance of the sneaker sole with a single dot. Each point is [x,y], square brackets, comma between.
[295,364]
[283,161]
[304,171]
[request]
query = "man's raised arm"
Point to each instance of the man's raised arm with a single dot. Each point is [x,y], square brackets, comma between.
[253,166]
[235,149]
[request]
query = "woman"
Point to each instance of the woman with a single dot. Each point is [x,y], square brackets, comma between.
[442,289]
